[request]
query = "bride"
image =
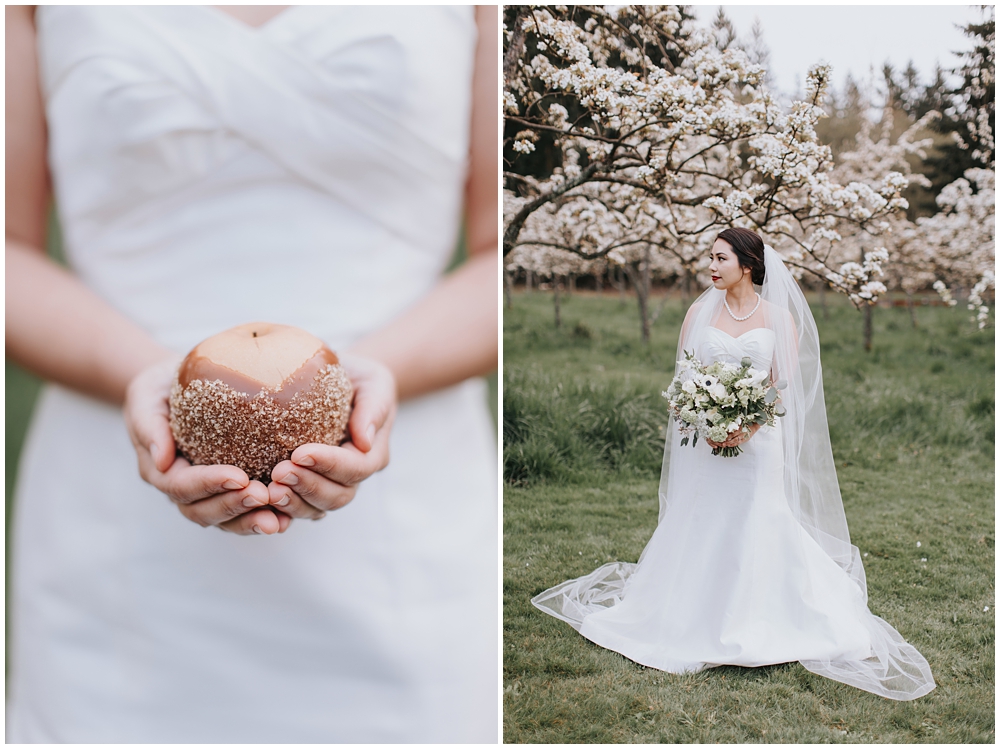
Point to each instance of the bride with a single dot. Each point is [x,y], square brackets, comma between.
[751,563]
[212,166]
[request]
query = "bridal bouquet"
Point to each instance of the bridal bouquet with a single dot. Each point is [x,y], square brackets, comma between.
[717,400]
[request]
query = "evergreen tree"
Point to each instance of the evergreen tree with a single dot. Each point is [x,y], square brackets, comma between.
[911,90]
[725,32]
[892,90]
[758,51]
[844,123]
[968,111]
[933,96]
[976,99]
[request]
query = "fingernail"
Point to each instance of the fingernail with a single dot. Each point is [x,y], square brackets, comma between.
[305,461]
[232,484]
[284,501]
[252,502]
[289,480]
[371,434]
[320,516]
[154,450]
[256,529]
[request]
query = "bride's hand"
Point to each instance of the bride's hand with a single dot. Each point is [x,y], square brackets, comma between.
[319,478]
[738,437]
[222,496]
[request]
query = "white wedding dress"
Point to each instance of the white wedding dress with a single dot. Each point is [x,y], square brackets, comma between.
[307,172]
[731,576]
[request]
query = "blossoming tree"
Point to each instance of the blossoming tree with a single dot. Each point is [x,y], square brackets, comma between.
[960,240]
[675,140]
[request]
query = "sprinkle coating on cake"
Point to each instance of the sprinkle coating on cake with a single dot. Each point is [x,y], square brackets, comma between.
[213,424]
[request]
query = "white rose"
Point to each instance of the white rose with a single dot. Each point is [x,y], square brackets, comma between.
[718,392]
[689,387]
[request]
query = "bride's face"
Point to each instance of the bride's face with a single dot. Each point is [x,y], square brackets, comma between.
[725,268]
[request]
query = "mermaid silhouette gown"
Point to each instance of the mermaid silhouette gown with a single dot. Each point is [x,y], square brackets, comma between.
[307,172]
[729,576]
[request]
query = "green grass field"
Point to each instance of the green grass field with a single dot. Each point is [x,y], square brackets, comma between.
[912,425]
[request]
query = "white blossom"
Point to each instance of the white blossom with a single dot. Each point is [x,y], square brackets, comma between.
[675,155]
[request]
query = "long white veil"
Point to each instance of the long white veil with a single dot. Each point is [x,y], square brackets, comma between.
[895,669]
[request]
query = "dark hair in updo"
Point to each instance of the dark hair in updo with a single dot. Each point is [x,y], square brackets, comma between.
[749,249]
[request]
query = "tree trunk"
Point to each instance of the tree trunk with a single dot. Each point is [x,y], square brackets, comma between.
[639,274]
[659,309]
[911,308]
[555,289]
[529,280]
[570,285]
[867,313]
[508,283]
[513,228]
[868,327]
[621,286]
[516,45]
[599,279]
[822,300]
[647,285]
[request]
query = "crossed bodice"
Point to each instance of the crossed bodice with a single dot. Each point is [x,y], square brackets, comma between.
[716,345]
[207,173]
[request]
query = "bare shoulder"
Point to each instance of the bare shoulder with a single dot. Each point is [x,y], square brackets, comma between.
[774,312]
[778,316]
[693,311]
[689,318]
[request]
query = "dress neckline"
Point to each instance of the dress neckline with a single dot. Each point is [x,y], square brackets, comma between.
[738,337]
[260,28]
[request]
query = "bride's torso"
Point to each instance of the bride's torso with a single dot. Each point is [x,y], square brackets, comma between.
[713,344]
[308,171]
[208,173]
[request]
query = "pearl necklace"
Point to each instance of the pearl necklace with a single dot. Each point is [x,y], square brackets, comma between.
[745,317]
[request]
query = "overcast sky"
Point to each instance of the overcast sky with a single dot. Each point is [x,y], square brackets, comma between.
[851,37]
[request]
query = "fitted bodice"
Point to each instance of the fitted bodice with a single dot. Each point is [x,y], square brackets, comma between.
[716,345]
[208,173]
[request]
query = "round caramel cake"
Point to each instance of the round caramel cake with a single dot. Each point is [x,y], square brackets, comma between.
[250,395]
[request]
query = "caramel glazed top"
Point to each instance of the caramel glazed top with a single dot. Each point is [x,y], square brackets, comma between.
[203,368]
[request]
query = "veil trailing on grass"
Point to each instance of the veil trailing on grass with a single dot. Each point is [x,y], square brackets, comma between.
[895,669]
[654,614]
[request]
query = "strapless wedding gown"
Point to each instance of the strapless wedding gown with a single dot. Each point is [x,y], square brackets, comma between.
[308,172]
[729,576]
